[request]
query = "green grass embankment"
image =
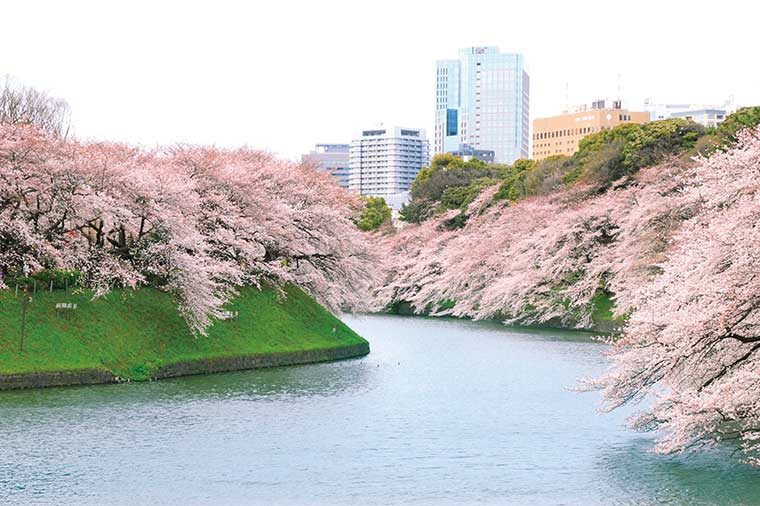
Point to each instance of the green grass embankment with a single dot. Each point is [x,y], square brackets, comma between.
[132,334]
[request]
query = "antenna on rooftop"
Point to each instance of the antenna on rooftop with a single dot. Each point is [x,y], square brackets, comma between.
[567,97]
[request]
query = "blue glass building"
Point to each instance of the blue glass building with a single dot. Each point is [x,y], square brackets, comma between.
[483,100]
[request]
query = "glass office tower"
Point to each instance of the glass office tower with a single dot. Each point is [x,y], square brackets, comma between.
[482,100]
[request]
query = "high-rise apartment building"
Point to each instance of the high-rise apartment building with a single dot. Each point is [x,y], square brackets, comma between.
[482,100]
[385,160]
[560,135]
[332,158]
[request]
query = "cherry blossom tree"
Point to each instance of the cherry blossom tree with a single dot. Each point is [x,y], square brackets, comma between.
[677,247]
[195,221]
[281,222]
[692,342]
[542,260]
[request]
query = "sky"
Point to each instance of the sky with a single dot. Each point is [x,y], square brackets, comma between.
[285,75]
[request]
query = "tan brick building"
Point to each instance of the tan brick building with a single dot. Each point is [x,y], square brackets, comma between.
[559,135]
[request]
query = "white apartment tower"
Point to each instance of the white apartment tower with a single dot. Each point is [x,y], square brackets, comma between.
[385,160]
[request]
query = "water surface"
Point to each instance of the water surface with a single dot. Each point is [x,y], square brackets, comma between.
[442,412]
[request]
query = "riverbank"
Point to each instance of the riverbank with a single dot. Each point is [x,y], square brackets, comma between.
[603,318]
[138,335]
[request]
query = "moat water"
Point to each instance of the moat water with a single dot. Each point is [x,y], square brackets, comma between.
[442,412]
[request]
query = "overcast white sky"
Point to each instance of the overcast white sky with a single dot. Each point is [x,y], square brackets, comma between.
[284,75]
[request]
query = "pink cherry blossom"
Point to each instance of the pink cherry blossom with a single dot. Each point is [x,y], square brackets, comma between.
[195,221]
[678,247]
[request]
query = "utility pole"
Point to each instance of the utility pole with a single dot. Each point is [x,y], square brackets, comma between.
[620,89]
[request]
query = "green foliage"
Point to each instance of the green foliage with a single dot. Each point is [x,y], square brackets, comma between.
[459,197]
[446,304]
[458,221]
[602,157]
[546,176]
[600,162]
[515,183]
[452,182]
[132,333]
[725,134]
[608,155]
[454,197]
[417,210]
[603,307]
[747,117]
[375,213]
[447,171]
[705,146]
[649,143]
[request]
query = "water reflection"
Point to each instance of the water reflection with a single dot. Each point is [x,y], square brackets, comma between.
[489,326]
[708,478]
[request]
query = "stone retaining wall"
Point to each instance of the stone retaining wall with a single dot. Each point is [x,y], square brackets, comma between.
[55,379]
[187,368]
[213,365]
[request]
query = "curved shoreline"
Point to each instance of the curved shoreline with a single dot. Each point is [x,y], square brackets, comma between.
[608,327]
[18,381]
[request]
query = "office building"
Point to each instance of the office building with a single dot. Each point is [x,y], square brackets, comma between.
[467,153]
[385,160]
[560,135]
[708,116]
[664,111]
[332,158]
[482,100]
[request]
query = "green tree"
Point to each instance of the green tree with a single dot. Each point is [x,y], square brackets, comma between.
[459,197]
[747,117]
[608,155]
[450,181]
[375,213]
[515,184]
[417,210]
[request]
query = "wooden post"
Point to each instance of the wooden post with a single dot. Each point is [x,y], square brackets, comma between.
[24,305]
[16,289]
[51,286]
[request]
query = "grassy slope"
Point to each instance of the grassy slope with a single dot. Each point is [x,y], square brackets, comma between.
[134,333]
